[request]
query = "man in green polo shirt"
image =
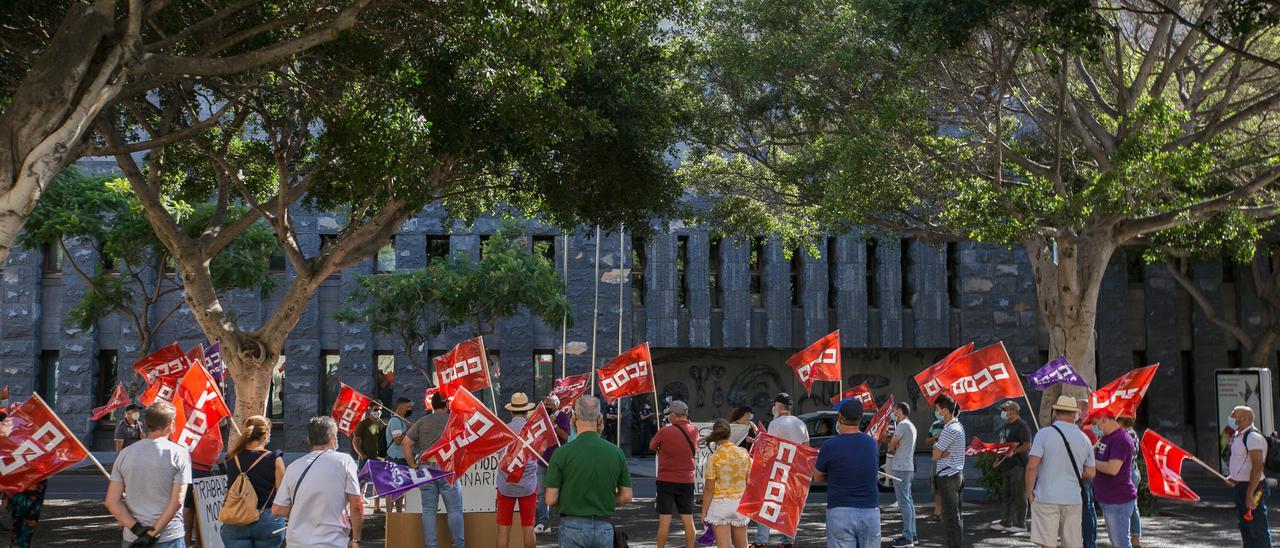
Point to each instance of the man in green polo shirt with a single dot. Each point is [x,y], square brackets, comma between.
[587,479]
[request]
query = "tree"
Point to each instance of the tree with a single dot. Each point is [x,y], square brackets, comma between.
[63,63]
[415,305]
[141,276]
[1066,141]
[561,111]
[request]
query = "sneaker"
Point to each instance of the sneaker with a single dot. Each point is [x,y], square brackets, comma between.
[901,541]
[541,528]
[1016,530]
[995,526]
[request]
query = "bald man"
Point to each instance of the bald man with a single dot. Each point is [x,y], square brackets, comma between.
[1248,453]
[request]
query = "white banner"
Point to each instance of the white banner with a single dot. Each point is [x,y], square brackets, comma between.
[209,494]
[479,488]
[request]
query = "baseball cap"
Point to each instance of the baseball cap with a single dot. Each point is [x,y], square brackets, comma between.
[1010,404]
[782,398]
[851,412]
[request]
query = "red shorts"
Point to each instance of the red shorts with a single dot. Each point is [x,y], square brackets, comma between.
[506,505]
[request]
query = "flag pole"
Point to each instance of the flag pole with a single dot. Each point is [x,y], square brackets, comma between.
[1022,384]
[1207,467]
[595,313]
[564,323]
[77,440]
[617,409]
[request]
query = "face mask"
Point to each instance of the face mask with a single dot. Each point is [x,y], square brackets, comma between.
[1231,423]
[133,416]
[1097,431]
[407,413]
[1004,415]
[937,415]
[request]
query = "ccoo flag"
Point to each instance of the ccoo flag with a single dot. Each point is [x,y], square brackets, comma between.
[200,408]
[569,389]
[1058,370]
[778,483]
[35,444]
[348,409]
[629,374]
[977,380]
[1164,468]
[879,425]
[537,435]
[119,398]
[925,377]
[819,362]
[977,447]
[471,435]
[465,366]
[1122,396]
[862,393]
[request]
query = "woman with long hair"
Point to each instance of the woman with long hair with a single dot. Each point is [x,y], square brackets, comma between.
[726,479]
[264,468]
[744,416]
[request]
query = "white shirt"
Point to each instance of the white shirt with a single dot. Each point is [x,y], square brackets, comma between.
[904,457]
[1240,467]
[789,428]
[318,514]
[1056,481]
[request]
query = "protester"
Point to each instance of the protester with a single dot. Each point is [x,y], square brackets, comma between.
[1135,519]
[725,481]
[421,436]
[1060,460]
[948,453]
[1113,486]
[319,493]
[1248,453]
[789,428]
[397,425]
[523,492]
[902,465]
[128,430]
[644,425]
[675,445]
[24,508]
[611,424]
[1088,517]
[370,443]
[935,430]
[265,469]
[744,416]
[149,481]
[848,464]
[1013,469]
[560,417]
[587,479]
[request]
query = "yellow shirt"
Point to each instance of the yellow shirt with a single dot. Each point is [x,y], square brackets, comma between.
[729,466]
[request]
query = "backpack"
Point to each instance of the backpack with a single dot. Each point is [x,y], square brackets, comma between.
[1271,464]
[241,505]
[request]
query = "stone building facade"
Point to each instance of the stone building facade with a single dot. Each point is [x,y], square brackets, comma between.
[721,317]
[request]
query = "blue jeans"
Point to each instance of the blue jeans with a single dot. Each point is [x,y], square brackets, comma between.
[543,511]
[585,533]
[260,534]
[853,527]
[432,492]
[1253,533]
[1135,523]
[1118,516]
[175,543]
[1088,518]
[762,535]
[902,491]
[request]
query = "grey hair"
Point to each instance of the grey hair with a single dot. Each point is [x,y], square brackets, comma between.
[587,409]
[321,430]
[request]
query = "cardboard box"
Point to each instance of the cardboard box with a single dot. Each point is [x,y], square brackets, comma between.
[404,530]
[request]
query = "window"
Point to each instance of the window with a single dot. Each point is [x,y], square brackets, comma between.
[47,379]
[544,372]
[797,263]
[107,379]
[275,396]
[52,254]
[713,272]
[546,247]
[682,267]
[276,263]
[385,260]
[1230,270]
[873,288]
[833,274]
[638,262]
[106,263]
[329,383]
[953,274]
[437,248]
[1135,268]
[905,264]
[384,377]
[484,241]
[755,265]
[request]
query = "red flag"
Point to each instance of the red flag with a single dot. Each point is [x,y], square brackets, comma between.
[879,425]
[819,362]
[35,444]
[1164,468]
[4,393]
[348,409]
[862,392]
[538,435]
[471,435]
[200,408]
[466,366]
[426,399]
[629,374]
[119,399]
[1122,396]
[778,483]
[163,389]
[1001,450]
[978,380]
[569,389]
[168,362]
[923,377]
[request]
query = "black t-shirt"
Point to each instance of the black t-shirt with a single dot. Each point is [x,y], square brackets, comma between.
[1016,432]
[262,476]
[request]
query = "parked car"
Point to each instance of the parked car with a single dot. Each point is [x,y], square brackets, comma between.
[822,426]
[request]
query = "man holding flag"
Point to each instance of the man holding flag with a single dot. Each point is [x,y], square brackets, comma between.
[422,436]
[1248,453]
[149,481]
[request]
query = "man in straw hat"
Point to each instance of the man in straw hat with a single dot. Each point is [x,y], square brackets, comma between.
[1061,460]
[523,492]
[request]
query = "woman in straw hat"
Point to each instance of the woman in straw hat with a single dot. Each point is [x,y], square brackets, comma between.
[522,491]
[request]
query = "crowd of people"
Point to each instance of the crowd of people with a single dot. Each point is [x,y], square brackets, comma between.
[1051,478]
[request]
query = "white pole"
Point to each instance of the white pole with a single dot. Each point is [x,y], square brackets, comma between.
[564,323]
[595,314]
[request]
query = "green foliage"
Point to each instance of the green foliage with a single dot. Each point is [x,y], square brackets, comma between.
[989,477]
[460,292]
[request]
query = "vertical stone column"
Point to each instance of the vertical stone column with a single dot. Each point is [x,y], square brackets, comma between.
[777,296]
[661,311]
[20,325]
[697,276]
[302,366]
[1209,351]
[930,310]
[813,299]
[1115,344]
[1165,414]
[851,288]
[889,278]
[735,283]
[77,348]
[411,254]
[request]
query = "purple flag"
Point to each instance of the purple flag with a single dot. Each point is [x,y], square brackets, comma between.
[1058,370]
[213,355]
[393,480]
[708,537]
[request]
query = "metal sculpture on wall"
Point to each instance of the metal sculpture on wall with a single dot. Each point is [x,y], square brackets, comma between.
[755,387]
[717,395]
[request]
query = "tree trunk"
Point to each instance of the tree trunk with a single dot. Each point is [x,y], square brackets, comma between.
[250,362]
[1067,294]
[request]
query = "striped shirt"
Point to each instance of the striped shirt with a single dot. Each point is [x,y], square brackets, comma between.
[951,441]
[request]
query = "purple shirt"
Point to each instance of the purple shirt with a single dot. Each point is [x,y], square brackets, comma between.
[1117,489]
[561,418]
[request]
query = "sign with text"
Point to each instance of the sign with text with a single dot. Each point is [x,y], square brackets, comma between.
[209,494]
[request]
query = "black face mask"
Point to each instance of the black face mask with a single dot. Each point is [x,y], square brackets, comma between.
[407,413]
